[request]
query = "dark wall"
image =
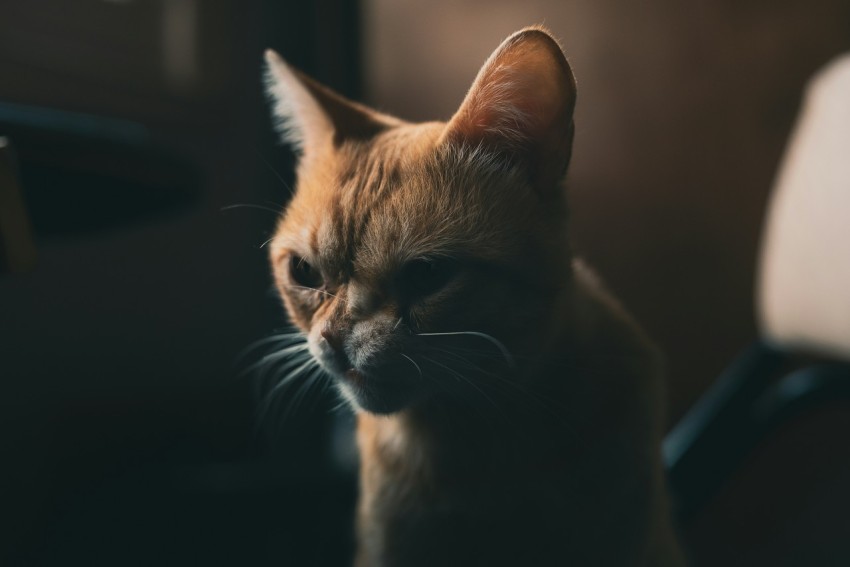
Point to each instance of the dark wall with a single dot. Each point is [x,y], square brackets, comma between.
[128,436]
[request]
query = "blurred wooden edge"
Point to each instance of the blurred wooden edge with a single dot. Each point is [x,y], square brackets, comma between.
[17,248]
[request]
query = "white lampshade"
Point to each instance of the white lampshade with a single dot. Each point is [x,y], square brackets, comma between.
[803,294]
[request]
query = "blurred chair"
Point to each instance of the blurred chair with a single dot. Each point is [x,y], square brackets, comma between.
[803,295]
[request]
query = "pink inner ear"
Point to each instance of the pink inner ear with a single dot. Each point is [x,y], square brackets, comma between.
[520,99]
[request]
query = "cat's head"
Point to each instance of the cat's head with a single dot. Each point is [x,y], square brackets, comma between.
[416,258]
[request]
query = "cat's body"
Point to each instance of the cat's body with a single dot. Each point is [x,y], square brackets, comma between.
[529,487]
[509,412]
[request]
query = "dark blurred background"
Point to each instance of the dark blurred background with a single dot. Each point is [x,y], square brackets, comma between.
[134,127]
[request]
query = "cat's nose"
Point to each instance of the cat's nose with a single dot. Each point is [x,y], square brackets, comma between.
[333,350]
[333,339]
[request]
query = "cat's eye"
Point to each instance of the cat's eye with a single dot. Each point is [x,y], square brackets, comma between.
[304,274]
[423,277]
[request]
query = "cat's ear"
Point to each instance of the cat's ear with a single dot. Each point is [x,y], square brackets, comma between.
[521,106]
[311,116]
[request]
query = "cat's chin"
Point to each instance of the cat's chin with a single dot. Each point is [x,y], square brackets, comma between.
[377,395]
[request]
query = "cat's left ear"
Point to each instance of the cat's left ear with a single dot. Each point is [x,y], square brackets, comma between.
[520,107]
[312,117]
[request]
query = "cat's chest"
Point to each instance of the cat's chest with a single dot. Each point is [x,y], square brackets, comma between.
[406,474]
[520,516]
[464,523]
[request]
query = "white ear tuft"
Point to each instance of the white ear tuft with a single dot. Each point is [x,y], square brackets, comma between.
[298,116]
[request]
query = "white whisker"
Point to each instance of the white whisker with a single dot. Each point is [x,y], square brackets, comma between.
[505,353]
[277,337]
[304,389]
[250,206]
[413,362]
[276,355]
[463,379]
[313,289]
[548,406]
[305,373]
[266,242]
[276,174]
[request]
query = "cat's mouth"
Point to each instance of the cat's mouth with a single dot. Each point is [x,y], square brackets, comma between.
[373,380]
[379,390]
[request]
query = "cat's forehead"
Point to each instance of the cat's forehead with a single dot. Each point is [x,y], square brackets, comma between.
[372,207]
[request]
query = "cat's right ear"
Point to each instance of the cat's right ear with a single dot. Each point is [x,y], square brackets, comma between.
[520,107]
[312,117]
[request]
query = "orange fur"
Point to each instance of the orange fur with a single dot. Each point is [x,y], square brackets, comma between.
[533,439]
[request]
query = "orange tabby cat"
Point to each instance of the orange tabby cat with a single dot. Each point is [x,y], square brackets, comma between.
[509,411]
